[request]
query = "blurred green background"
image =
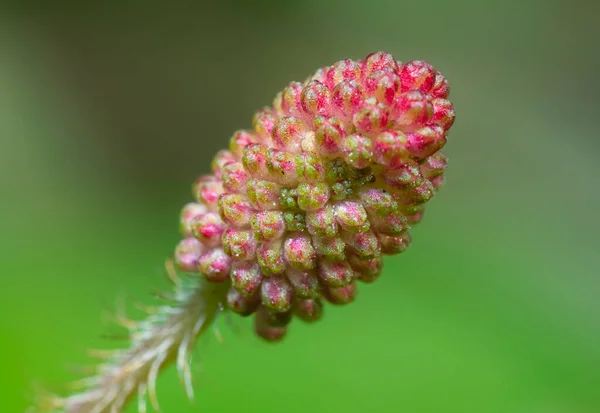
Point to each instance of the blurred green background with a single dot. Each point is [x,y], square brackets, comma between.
[108,112]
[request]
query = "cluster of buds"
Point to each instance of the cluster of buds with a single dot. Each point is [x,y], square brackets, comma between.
[330,179]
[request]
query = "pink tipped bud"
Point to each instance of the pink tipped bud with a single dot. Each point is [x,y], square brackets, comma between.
[208,228]
[235,209]
[215,265]
[207,190]
[342,70]
[270,257]
[332,249]
[316,99]
[417,75]
[243,305]
[394,245]
[441,89]
[378,202]
[264,329]
[382,85]
[380,61]
[322,223]
[372,118]
[309,310]
[290,99]
[312,197]
[277,293]
[366,270]
[357,150]
[335,274]
[412,110]
[363,244]
[305,283]
[187,254]
[222,158]
[328,135]
[287,134]
[443,113]
[254,160]
[239,244]
[234,177]
[352,216]
[188,213]
[268,225]
[426,141]
[263,123]
[347,98]
[246,277]
[392,224]
[299,252]
[341,295]
[390,147]
[239,141]
[434,166]
[263,195]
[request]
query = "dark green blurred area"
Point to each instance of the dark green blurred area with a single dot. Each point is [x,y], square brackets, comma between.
[108,113]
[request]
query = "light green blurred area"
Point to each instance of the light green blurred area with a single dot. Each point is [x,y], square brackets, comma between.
[107,114]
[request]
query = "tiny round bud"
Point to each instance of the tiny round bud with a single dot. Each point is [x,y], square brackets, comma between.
[263,194]
[342,70]
[215,265]
[412,110]
[283,167]
[222,158]
[382,85]
[443,113]
[254,160]
[243,305]
[441,89]
[207,190]
[239,141]
[434,166]
[190,211]
[264,329]
[417,75]
[341,295]
[239,244]
[305,283]
[389,147]
[404,176]
[299,252]
[235,209]
[312,197]
[268,225]
[426,141]
[370,119]
[263,123]
[394,245]
[309,310]
[357,150]
[277,293]
[187,254]
[290,99]
[322,223]
[377,202]
[379,61]
[347,98]
[352,216]
[363,244]
[332,249]
[316,99]
[309,168]
[234,177]
[335,273]
[367,270]
[392,224]
[246,277]
[208,228]
[270,257]
[287,134]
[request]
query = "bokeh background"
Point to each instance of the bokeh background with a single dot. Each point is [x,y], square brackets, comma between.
[109,111]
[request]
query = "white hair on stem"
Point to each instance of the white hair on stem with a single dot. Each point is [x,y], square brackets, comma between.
[166,336]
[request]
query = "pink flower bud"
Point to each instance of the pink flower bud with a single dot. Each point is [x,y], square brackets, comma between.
[316,99]
[235,209]
[208,228]
[270,257]
[215,265]
[263,123]
[277,293]
[239,244]
[312,197]
[342,70]
[246,277]
[332,249]
[187,254]
[290,99]
[357,150]
[335,273]
[268,225]
[417,75]
[287,134]
[347,98]
[243,305]
[188,213]
[305,282]
[239,141]
[234,177]
[299,252]
[309,310]
[207,190]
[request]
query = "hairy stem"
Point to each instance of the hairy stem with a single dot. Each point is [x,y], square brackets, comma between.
[166,336]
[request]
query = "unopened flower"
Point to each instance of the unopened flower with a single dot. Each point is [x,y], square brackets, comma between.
[298,211]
